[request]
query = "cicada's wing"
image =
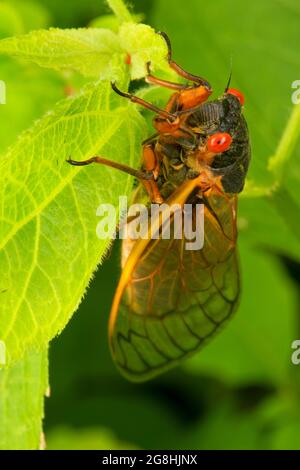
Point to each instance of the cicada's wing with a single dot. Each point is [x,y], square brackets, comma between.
[171,300]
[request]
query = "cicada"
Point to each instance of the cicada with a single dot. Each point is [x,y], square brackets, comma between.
[170,301]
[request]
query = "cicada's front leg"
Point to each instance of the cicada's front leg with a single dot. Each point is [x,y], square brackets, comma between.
[187,96]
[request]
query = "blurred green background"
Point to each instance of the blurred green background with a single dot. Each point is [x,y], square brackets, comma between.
[242,391]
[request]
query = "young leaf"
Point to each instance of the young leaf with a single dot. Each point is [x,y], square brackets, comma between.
[144,45]
[88,51]
[120,10]
[112,22]
[22,390]
[48,244]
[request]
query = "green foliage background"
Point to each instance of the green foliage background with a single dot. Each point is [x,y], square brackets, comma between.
[241,391]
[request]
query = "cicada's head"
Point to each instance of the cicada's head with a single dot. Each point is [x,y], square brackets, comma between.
[223,136]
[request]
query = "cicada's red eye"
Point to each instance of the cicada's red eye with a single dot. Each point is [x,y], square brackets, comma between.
[238,94]
[220,142]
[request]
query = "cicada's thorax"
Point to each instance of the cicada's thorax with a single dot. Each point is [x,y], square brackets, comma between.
[186,157]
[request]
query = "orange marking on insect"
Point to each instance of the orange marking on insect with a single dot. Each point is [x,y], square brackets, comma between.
[165,127]
[194,96]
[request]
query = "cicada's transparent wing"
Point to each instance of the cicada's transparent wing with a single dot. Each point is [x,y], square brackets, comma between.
[171,300]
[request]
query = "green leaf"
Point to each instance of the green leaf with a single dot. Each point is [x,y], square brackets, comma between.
[120,10]
[22,390]
[143,45]
[112,22]
[93,52]
[107,22]
[88,51]
[48,245]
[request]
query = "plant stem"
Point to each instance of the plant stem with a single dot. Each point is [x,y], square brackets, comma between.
[22,390]
[278,161]
[279,196]
[120,10]
[286,145]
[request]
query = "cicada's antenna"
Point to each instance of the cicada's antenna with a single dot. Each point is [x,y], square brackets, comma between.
[230,76]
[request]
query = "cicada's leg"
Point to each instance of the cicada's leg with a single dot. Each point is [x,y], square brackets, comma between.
[151,164]
[188,96]
[147,177]
[135,99]
[164,83]
[140,175]
[180,71]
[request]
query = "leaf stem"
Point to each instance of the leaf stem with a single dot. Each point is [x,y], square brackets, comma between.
[120,10]
[277,162]
[286,145]
[23,386]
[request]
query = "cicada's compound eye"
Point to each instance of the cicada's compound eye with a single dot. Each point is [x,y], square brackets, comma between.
[219,142]
[238,94]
